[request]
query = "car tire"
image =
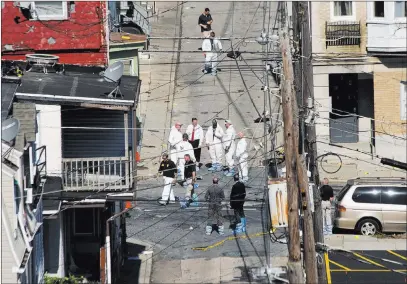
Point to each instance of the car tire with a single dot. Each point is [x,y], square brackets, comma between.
[368,227]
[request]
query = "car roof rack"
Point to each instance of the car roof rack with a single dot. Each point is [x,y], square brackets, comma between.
[370,180]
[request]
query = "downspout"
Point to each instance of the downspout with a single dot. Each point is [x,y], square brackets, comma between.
[108,246]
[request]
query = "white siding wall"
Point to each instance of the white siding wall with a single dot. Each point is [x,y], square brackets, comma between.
[7,259]
[49,128]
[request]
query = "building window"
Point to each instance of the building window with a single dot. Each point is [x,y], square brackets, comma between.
[403,100]
[49,10]
[400,9]
[343,8]
[379,9]
[85,221]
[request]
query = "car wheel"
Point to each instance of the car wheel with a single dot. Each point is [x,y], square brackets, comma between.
[368,227]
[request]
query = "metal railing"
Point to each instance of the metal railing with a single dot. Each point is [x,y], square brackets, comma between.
[342,33]
[105,174]
[40,165]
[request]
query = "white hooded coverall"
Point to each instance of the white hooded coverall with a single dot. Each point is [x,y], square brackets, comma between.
[212,53]
[229,141]
[215,144]
[183,148]
[242,155]
[174,138]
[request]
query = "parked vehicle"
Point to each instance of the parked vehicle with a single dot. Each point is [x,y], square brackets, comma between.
[372,205]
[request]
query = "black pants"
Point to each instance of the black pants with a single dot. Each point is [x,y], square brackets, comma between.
[197,151]
[239,213]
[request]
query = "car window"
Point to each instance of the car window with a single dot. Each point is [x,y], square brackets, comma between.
[343,191]
[367,194]
[394,195]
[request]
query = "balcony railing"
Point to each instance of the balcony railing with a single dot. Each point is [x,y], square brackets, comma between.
[101,174]
[342,33]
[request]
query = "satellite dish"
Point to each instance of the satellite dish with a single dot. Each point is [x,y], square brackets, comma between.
[113,74]
[9,129]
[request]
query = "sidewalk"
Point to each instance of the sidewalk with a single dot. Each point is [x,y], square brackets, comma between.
[215,270]
[356,242]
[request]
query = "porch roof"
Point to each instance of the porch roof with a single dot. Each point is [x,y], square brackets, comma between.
[81,85]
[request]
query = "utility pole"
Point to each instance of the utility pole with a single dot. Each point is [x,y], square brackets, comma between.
[295,271]
[304,12]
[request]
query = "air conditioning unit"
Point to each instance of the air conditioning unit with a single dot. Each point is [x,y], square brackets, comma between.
[28,192]
[278,204]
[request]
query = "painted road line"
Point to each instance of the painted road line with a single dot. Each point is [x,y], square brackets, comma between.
[339,265]
[205,248]
[368,260]
[368,270]
[327,268]
[396,254]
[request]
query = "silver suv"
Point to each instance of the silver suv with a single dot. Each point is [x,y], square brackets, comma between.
[370,205]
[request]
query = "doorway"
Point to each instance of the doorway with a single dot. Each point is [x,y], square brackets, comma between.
[343,124]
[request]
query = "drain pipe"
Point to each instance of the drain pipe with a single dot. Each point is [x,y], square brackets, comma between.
[108,248]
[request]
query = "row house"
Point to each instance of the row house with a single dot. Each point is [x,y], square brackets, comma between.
[23,175]
[359,63]
[58,52]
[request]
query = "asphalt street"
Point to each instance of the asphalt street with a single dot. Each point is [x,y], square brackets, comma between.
[367,267]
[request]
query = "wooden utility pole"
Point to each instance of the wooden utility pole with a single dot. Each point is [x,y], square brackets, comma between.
[295,271]
[310,134]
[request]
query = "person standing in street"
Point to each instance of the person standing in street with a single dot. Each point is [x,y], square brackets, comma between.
[211,48]
[174,138]
[205,21]
[327,195]
[237,196]
[215,195]
[184,148]
[230,147]
[190,180]
[213,140]
[241,156]
[169,171]
[195,134]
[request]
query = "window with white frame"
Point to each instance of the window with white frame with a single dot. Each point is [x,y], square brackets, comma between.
[403,100]
[400,9]
[85,221]
[49,10]
[343,8]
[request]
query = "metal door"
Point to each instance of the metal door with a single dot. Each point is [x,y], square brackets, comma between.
[343,124]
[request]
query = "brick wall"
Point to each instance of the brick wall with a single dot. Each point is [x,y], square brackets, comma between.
[78,40]
[387,101]
[321,14]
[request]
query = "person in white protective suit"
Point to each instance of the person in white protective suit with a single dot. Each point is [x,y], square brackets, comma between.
[230,147]
[212,48]
[184,148]
[213,139]
[241,157]
[174,138]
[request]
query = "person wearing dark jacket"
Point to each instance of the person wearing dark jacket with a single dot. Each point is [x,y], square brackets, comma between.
[237,196]
[215,195]
[169,171]
[327,195]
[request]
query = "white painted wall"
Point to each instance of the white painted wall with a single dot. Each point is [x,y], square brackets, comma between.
[50,135]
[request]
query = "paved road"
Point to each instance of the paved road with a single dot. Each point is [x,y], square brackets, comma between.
[368,267]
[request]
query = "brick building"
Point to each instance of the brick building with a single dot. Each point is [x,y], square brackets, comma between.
[359,62]
[73,30]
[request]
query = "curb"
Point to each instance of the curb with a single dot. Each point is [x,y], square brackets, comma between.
[146,260]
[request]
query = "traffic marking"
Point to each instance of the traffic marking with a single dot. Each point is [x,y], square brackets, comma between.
[339,265]
[369,270]
[396,254]
[368,260]
[327,268]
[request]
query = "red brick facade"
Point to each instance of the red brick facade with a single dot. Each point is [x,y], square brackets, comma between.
[81,39]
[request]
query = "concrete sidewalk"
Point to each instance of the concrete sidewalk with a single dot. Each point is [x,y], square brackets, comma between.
[214,270]
[356,242]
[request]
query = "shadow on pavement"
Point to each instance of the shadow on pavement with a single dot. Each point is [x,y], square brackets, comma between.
[130,271]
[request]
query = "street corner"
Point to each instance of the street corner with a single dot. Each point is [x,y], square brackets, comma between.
[361,266]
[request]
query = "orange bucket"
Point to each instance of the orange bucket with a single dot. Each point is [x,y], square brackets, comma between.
[138,159]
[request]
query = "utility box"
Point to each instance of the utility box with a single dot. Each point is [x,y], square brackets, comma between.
[278,204]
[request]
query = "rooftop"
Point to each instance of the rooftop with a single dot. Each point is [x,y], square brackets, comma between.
[76,85]
[8,89]
[126,38]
